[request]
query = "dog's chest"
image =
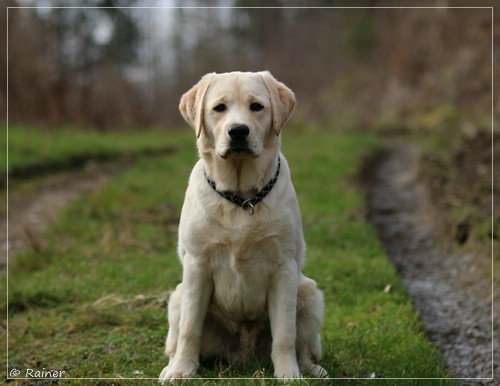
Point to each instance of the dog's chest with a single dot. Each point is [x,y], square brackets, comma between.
[241,272]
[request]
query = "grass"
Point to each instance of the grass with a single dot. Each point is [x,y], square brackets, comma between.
[93,301]
[33,150]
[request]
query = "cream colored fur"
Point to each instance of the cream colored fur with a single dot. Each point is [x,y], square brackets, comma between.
[243,294]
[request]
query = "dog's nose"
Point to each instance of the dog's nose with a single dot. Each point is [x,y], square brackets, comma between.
[238,132]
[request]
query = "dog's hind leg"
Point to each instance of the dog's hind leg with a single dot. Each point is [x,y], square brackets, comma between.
[310,312]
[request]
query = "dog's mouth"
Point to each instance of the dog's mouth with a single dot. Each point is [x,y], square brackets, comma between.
[238,151]
[238,148]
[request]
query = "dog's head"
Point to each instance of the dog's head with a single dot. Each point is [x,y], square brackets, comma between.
[237,114]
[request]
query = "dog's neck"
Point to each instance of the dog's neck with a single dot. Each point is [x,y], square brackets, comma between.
[244,176]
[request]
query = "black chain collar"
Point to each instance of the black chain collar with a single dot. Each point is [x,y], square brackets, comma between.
[250,203]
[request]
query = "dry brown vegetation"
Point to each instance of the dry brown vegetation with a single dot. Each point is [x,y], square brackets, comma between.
[368,66]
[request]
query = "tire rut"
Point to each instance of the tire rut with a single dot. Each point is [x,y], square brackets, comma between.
[448,290]
[30,213]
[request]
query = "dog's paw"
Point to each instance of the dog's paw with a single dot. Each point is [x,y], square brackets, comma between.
[315,371]
[287,372]
[288,378]
[175,370]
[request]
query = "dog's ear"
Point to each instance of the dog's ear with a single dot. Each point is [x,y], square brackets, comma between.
[191,105]
[282,100]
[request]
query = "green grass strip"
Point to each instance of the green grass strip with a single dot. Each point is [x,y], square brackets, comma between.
[39,150]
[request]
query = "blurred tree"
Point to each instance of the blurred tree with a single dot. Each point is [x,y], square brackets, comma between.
[362,35]
[68,54]
[109,66]
[3,59]
[122,44]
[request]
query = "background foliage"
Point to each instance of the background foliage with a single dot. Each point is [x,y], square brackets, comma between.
[106,67]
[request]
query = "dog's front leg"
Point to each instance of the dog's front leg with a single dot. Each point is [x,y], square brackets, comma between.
[282,303]
[196,292]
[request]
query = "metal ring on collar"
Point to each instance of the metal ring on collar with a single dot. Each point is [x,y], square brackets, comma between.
[248,206]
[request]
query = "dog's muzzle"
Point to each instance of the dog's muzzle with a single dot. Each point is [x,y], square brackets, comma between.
[238,134]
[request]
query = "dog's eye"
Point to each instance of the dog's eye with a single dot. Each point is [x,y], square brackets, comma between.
[256,106]
[220,107]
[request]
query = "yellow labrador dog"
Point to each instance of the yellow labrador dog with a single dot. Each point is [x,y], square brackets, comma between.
[241,243]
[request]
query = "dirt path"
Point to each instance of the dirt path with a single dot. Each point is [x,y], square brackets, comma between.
[450,291]
[31,209]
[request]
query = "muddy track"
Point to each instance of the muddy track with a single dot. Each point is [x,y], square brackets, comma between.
[32,210]
[52,186]
[77,162]
[449,290]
